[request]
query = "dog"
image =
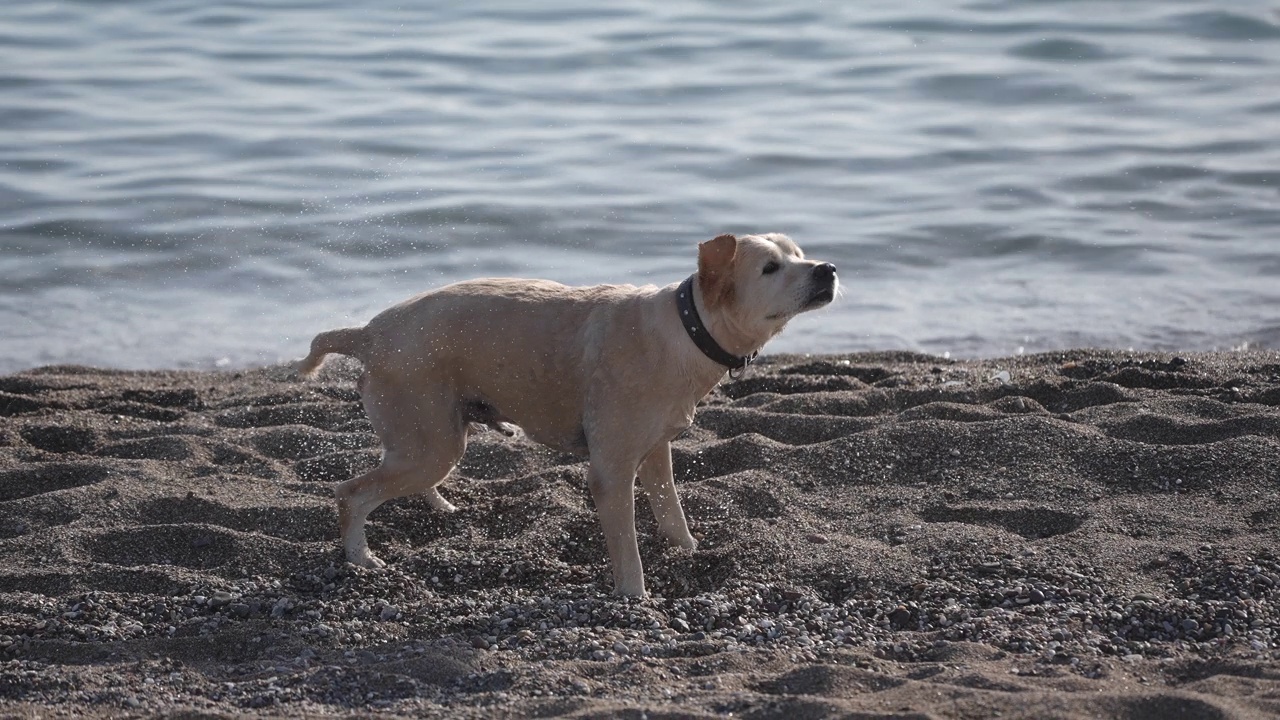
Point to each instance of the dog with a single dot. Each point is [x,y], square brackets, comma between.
[610,372]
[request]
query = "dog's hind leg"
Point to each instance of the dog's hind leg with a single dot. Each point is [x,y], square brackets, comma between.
[423,437]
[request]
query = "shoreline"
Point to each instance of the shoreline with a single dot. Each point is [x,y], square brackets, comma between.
[1081,533]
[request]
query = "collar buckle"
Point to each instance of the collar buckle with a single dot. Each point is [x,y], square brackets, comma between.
[738,372]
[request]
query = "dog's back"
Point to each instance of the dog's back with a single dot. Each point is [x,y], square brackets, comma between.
[525,347]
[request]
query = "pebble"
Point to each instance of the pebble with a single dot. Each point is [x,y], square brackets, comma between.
[281,607]
[900,616]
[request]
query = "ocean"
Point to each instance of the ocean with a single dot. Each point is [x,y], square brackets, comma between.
[186,184]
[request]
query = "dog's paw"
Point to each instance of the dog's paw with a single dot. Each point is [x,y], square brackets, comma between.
[633,590]
[437,501]
[367,560]
[686,542]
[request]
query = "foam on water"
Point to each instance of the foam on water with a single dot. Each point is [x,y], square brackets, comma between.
[186,185]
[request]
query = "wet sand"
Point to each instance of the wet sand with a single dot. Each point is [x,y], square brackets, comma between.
[1079,534]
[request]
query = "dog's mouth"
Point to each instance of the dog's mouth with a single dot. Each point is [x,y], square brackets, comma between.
[820,298]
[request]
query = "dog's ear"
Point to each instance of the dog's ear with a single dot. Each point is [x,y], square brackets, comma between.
[715,269]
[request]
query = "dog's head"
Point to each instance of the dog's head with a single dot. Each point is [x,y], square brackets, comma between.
[756,283]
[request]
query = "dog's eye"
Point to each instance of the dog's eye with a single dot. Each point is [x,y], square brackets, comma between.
[771,267]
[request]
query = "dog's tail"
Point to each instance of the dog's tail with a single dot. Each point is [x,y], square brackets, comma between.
[344,341]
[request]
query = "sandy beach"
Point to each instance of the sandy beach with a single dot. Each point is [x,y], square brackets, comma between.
[1069,535]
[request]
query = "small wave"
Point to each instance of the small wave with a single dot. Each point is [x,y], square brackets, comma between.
[1061,50]
[1225,25]
[1000,89]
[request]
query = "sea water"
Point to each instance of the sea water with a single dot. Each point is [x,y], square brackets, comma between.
[195,184]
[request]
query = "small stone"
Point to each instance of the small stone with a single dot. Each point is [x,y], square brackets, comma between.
[817,539]
[239,609]
[282,606]
[1190,625]
[621,648]
[900,616]
[389,612]
[220,598]
[479,643]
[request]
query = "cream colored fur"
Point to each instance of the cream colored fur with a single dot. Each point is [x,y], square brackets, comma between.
[604,371]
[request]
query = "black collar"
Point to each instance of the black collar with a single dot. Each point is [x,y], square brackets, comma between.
[698,332]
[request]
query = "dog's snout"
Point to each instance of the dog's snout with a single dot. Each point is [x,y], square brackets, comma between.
[825,271]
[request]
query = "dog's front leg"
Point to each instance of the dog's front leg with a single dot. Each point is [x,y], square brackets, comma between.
[658,483]
[612,484]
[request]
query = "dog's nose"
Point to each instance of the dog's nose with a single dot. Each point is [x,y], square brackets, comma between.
[825,271]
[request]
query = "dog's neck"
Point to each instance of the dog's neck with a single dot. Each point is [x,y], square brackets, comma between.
[714,334]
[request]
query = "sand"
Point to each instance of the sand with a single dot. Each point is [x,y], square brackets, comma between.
[1078,534]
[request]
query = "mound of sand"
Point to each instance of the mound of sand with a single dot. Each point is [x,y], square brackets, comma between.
[1082,534]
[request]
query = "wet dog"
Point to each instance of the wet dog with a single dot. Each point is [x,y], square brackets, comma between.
[612,372]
